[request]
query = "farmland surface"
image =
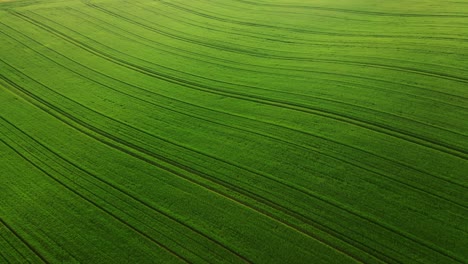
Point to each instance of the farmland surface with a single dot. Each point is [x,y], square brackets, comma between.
[233,131]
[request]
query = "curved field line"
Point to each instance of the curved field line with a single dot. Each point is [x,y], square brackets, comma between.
[63,184]
[149,8]
[2,237]
[9,228]
[268,89]
[381,128]
[316,98]
[180,166]
[263,66]
[107,211]
[104,137]
[256,53]
[316,136]
[242,129]
[2,257]
[411,186]
[240,190]
[360,12]
[212,58]
[229,186]
[56,155]
[275,38]
[299,30]
[220,29]
[123,191]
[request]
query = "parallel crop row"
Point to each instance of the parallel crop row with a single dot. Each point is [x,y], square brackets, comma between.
[233,131]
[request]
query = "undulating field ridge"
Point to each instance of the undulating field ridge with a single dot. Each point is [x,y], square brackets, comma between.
[233,131]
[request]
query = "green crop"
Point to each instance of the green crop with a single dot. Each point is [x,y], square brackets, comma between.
[268,131]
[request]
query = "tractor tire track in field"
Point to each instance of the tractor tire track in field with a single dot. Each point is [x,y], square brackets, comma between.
[75,191]
[334,113]
[151,154]
[276,38]
[4,231]
[158,43]
[3,241]
[227,196]
[377,127]
[225,63]
[40,103]
[110,185]
[31,153]
[222,182]
[313,98]
[459,78]
[238,33]
[361,166]
[233,20]
[256,52]
[354,201]
[30,97]
[359,12]
[231,164]
[290,58]
[297,30]
[338,159]
[3,258]
[95,204]
[17,235]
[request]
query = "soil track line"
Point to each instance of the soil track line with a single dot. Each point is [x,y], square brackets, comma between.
[243,129]
[225,184]
[123,191]
[381,128]
[7,226]
[177,165]
[95,205]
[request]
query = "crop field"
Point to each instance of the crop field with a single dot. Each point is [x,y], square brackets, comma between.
[233,131]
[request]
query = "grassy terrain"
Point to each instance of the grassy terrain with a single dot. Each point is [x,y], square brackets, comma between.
[270,131]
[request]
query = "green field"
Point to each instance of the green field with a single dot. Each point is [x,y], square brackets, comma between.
[231,131]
